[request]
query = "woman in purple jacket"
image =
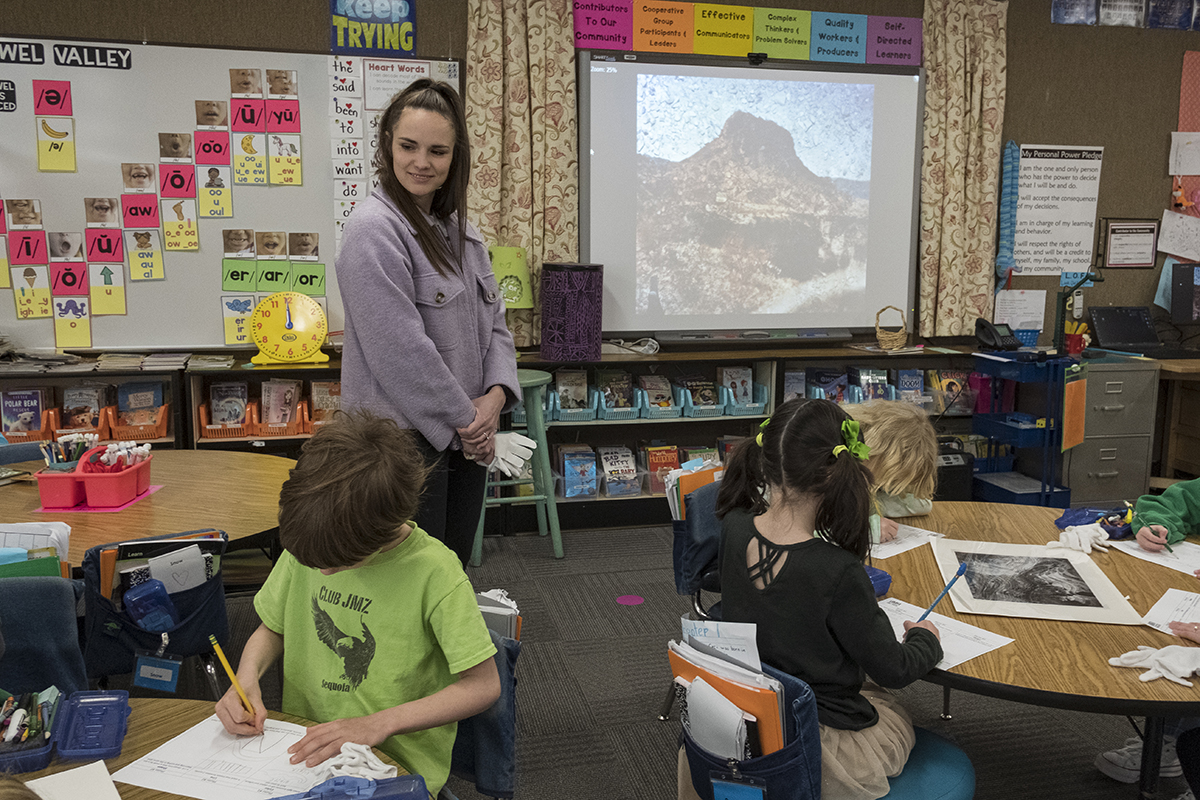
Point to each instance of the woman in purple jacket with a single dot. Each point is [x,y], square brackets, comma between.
[425,340]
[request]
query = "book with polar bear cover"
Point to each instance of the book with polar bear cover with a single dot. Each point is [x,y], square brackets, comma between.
[21,410]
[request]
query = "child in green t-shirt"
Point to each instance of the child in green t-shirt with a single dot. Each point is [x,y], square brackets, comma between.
[385,645]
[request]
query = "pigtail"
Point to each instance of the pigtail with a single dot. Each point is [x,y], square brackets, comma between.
[844,514]
[742,485]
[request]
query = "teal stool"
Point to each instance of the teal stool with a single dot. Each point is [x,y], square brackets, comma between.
[533,386]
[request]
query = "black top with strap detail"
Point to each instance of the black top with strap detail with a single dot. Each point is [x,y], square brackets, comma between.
[818,619]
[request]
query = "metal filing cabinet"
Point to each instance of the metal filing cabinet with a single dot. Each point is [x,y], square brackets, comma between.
[1113,462]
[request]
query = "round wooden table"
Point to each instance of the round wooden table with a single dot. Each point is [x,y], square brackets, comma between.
[1053,663]
[236,492]
[153,722]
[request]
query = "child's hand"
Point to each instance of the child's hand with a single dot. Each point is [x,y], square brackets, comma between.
[888,528]
[236,718]
[1152,538]
[926,624]
[325,740]
[1186,630]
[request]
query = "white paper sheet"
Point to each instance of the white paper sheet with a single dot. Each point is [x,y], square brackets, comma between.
[1185,153]
[207,763]
[91,781]
[1021,308]
[1185,559]
[1180,235]
[960,641]
[1175,605]
[907,537]
[738,640]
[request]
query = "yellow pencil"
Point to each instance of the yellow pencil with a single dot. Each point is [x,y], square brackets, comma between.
[229,671]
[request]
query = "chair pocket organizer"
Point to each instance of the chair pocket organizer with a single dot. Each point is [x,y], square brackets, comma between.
[791,773]
[113,638]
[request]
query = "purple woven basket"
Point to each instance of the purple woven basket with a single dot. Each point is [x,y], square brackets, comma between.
[572,300]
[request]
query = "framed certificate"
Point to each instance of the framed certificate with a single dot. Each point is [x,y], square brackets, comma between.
[1131,243]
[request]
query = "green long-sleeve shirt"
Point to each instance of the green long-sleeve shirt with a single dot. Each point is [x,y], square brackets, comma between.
[1177,509]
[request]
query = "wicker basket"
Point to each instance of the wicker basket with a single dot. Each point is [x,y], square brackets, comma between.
[891,340]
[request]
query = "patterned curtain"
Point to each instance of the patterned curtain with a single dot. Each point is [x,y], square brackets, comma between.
[965,56]
[521,114]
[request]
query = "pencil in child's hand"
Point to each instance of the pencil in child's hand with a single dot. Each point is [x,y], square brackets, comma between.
[961,569]
[229,671]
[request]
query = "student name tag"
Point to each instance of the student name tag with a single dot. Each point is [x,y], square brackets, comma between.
[737,787]
[153,671]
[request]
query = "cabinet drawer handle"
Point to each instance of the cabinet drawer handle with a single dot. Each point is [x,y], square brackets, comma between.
[1103,474]
[1108,408]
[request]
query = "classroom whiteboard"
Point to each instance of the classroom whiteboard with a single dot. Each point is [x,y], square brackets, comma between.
[125,101]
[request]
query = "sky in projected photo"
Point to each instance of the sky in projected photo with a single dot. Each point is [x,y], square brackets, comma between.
[830,123]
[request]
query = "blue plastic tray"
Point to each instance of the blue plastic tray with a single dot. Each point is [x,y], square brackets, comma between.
[402,787]
[88,725]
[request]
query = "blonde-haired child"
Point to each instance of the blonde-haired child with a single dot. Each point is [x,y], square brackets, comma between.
[903,461]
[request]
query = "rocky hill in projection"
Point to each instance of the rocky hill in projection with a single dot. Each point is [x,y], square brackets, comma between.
[744,226]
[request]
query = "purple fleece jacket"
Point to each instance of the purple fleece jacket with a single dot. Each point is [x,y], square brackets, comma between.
[418,347]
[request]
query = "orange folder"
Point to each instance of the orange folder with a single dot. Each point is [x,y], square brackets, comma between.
[763,703]
[690,482]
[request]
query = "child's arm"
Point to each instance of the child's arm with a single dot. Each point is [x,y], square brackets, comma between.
[1176,512]
[476,689]
[262,649]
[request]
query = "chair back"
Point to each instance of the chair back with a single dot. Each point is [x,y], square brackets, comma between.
[697,539]
[21,451]
[791,773]
[39,636]
[485,748]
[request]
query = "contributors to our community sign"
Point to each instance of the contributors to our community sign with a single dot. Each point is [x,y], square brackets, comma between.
[372,27]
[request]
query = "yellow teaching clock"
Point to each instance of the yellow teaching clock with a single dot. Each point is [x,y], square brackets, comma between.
[288,328]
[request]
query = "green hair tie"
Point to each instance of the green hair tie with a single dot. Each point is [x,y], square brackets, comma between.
[853,444]
[762,426]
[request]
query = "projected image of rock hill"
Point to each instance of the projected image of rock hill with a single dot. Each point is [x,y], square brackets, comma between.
[744,226]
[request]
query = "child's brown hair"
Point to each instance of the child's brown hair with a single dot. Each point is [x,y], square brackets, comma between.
[356,484]
[13,789]
[903,444]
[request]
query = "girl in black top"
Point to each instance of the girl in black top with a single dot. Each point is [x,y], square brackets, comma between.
[795,505]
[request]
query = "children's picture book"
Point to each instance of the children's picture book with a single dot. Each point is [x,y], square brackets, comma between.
[872,381]
[658,461]
[907,380]
[572,387]
[702,390]
[620,472]
[138,403]
[616,386]
[952,395]
[740,383]
[21,409]
[725,445]
[793,384]
[830,381]
[326,399]
[279,399]
[227,402]
[82,403]
[703,452]
[658,390]
[579,471]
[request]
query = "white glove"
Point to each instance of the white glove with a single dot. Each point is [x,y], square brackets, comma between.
[1082,538]
[1173,662]
[512,451]
[356,760]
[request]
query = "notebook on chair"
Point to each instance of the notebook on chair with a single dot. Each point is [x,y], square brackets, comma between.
[1130,329]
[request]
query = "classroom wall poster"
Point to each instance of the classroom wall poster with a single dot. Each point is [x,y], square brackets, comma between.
[372,28]
[72,322]
[1056,210]
[106,287]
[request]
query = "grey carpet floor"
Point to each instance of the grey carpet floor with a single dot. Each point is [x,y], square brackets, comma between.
[593,673]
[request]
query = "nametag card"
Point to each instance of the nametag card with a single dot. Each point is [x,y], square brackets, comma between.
[152,671]
[179,570]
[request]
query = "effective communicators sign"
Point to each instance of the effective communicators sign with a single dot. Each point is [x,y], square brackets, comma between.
[372,28]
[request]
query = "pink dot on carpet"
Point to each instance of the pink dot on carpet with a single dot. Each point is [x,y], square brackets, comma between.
[630,600]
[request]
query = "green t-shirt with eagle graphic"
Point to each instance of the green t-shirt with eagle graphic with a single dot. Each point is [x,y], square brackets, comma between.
[394,630]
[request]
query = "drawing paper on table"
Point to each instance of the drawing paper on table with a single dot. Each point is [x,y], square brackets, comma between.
[91,781]
[1025,580]
[960,641]
[207,763]
[907,537]
[1175,605]
[1185,559]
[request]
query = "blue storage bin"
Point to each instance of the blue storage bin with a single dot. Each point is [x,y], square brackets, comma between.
[1027,336]
[880,580]
[88,725]
[520,419]
[633,412]
[345,787]
[756,409]
[575,414]
[655,412]
[683,399]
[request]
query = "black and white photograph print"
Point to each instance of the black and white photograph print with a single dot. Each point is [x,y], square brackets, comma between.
[1049,580]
